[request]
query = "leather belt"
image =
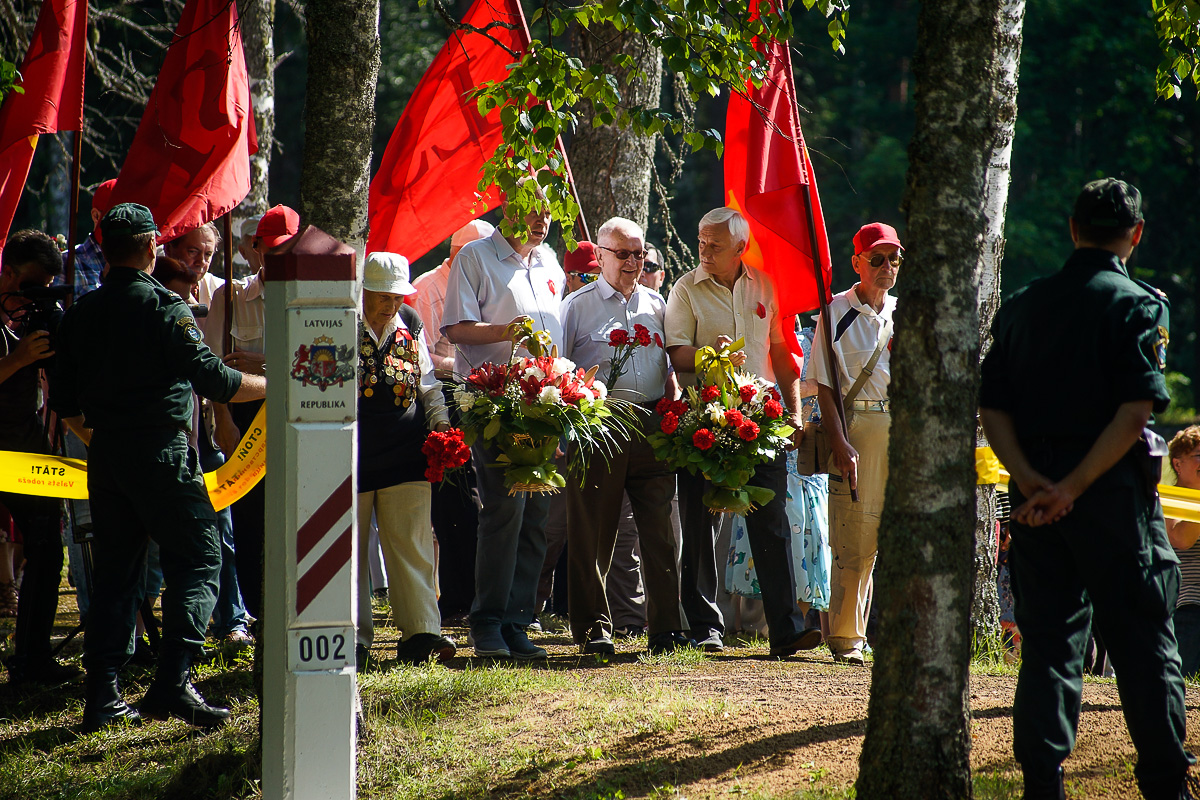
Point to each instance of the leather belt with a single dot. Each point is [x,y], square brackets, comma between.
[884,406]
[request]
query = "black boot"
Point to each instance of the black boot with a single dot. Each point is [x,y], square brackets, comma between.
[1047,786]
[173,695]
[103,705]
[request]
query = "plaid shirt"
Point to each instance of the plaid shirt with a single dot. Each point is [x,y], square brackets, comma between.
[89,263]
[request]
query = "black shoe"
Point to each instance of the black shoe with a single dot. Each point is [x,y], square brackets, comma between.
[423,646]
[669,642]
[173,695]
[362,657]
[711,643]
[628,631]
[600,646]
[800,640]
[47,672]
[1045,787]
[519,646]
[103,704]
[535,625]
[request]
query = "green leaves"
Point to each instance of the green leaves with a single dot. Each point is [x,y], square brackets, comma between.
[1177,24]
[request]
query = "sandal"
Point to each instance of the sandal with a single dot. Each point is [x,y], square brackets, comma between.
[8,599]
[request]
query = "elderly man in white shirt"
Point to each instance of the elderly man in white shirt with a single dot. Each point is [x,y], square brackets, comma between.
[861,320]
[496,282]
[617,302]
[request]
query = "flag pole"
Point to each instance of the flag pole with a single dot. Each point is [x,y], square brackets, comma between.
[73,216]
[580,220]
[227,333]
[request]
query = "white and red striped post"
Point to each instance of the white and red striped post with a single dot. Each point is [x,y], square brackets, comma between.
[309,687]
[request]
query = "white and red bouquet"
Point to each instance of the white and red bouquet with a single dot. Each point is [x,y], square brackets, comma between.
[624,344]
[724,429]
[527,407]
[444,451]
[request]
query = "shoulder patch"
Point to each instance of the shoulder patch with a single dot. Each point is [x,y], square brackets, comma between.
[189,329]
[1160,347]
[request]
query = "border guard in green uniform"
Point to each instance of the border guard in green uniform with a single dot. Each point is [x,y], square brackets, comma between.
[1073,376]
[129,356]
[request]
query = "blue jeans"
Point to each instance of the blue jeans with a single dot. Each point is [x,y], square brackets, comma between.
[229,614]
[510,549]
[1187,635]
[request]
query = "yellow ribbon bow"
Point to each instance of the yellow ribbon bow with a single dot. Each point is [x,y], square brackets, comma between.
[713,364]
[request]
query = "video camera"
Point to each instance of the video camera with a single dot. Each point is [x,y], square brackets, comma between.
[199,310]
[43,312]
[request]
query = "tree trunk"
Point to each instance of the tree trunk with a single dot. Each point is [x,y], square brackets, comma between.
[918,743]
[339,117]
[258,28]
[612,166]
[985,608]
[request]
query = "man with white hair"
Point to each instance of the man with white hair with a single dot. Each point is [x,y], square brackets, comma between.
[496,284]
[616,301]
[430,298]
[721,301]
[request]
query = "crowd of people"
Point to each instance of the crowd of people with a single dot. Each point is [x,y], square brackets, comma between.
[155,385]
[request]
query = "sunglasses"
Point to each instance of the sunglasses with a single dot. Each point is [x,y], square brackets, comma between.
[622,255]
[650,266]
[896,259]
[585,277]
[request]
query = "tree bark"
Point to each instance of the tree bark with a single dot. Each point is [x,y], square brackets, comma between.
[339,117]
[612,166]
[917,743]
[258,28]
[985,608]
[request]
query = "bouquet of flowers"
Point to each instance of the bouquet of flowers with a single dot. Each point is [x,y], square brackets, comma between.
[723,429]
[444,450]
[525,407]
[624,345]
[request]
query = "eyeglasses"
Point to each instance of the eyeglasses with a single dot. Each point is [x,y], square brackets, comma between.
[584,277]
[896,259]
[650,266]
[622,255]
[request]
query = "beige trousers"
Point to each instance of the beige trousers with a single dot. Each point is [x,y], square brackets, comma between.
[854,529]
[402,513]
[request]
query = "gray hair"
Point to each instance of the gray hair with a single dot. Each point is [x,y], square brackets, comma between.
[739,229]
[626,226]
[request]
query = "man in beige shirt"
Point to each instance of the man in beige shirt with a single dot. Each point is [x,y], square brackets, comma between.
[721,301]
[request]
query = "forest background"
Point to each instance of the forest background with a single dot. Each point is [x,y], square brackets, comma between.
[1076,122]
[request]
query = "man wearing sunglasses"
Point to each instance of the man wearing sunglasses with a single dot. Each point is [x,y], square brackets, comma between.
[861,321]
[582,267]
[653,273]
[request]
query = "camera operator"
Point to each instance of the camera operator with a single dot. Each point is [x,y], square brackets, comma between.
[29,262]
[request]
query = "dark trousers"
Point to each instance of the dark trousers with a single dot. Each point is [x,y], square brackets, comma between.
[1107,564]
[765,527]
[40,522]
[249,525]
[593,516]
[455,522]
[148,485]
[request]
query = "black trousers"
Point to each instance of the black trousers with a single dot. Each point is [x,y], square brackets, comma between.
[455,520]
[249,524]
[766,528]
[40,522]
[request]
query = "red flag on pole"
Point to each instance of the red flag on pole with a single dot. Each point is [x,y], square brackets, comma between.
[768,177]
[190,159]
[52,77]
[425,188]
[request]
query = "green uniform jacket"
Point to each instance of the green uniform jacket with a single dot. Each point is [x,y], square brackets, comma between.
[129,355]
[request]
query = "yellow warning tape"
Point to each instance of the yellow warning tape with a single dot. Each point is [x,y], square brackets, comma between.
[55,476]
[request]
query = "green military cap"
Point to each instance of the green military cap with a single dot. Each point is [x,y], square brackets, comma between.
[1108,203]
[128,219]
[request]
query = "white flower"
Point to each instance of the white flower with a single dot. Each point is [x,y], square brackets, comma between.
[716,412]
[600,389]
[550,395]
[534,372]
[586,392]
[563,365]
[464,399]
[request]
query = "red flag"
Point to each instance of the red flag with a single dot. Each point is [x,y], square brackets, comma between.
[190,159]
[52,77]
[425,188]
[768,177]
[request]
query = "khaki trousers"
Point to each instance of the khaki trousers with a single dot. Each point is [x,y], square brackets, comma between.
[402,513]
[854,530]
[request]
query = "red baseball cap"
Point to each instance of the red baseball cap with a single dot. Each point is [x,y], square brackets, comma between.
[873,235]
[279,224]
[582,259]
[102,196]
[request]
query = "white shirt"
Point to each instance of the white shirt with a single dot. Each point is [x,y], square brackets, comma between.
[205,290]
[249,314]
[854,340]
[429,301]
[491,283]
[431,388]
[590,314]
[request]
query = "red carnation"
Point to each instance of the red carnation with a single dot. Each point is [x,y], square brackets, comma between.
[747,393]
[434,474]
[639,328]
[709,393]
[664,406]
[748,431]
[761,311]
[734,417]
[703,438]
[775,394]
[773,409]
[643,337]
[658,340]
[618,337]
[669,422]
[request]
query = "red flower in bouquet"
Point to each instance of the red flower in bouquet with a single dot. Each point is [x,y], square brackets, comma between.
[775,395]
[734,417]
[664,406]
[710,393]
[747,393]
[444,450]
[489,377]
[773,409]
[703,438]
[748,430]
[670,422]
[618,337]
[641,334]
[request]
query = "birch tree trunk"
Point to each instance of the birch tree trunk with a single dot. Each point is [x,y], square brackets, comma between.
[258,27]
[918,742]
[612,166]
[339,117]
[985,608]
